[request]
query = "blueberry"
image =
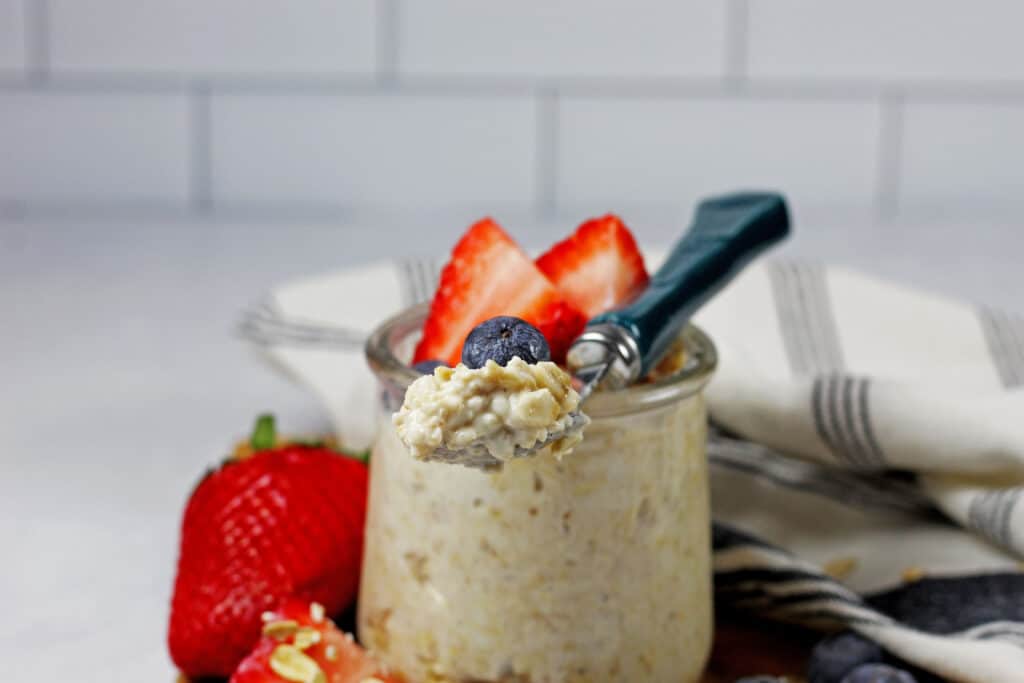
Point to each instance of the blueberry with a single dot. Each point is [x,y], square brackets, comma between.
[501,338]
[878,673]
[837,655]
[427,367]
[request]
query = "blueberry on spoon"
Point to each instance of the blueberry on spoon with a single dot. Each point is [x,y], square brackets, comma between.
[502,338]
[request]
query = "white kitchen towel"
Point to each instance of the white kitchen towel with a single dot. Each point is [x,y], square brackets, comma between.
[848,412]
[816,362]
[851,372]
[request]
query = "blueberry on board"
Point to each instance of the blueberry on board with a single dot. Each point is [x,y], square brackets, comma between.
[838,655]
[878,673]
[500,339]
[427,367]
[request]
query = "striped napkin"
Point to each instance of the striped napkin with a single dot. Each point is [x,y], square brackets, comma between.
[858,425]
[837,368]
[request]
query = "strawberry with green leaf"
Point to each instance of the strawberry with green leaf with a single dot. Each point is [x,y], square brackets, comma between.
[286,521]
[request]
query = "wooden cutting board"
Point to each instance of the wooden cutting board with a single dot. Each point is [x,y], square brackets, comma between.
[745,649]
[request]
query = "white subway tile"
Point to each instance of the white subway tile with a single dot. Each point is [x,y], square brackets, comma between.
[587,38]
[73,147]
[960,156]
[880,39]
[673,151]
[12,35]
[373,150]
[251,37]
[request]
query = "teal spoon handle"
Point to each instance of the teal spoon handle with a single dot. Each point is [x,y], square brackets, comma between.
[727,233]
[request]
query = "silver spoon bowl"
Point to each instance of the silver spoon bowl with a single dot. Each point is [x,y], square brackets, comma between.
[476,454]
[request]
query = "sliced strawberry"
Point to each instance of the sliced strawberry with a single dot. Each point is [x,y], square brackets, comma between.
[598,267]
[489,275]
[300,643]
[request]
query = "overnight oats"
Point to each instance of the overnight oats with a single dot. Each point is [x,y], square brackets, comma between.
[589,565]
[501,408]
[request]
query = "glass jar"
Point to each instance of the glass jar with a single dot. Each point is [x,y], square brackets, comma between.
[595,568]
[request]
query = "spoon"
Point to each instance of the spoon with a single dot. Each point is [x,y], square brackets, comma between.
[620,346]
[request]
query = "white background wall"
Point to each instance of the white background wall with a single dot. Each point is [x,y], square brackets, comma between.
[281,108]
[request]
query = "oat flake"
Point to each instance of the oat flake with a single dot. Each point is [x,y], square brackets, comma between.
[280,629]
[292,664]
[306,637]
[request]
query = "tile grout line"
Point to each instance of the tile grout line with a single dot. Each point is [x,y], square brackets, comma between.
[787,89]
[890,154]
[737,41]
[200,171]
[287,211]
[546,152]
[387,42]
[37,47]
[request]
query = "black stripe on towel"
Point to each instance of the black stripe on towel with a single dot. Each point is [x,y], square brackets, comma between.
[762,596]
[839,401]
[756,574]
[841,411]
[724,537]
[757,578]
[1004,335]
[990,514]
[823,617]
[830,418]
[774,584]
[806,321]
[820,394]
[866,425]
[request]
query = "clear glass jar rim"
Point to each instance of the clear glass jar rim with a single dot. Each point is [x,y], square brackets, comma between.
[701,361]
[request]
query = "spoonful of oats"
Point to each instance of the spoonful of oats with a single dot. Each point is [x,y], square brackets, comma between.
[505,400]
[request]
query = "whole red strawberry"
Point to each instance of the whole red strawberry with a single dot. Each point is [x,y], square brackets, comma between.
[284,522]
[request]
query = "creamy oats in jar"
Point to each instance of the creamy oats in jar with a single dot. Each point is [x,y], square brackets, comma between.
[595,567]
[500,407]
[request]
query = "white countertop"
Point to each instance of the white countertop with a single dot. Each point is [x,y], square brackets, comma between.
[122,382]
